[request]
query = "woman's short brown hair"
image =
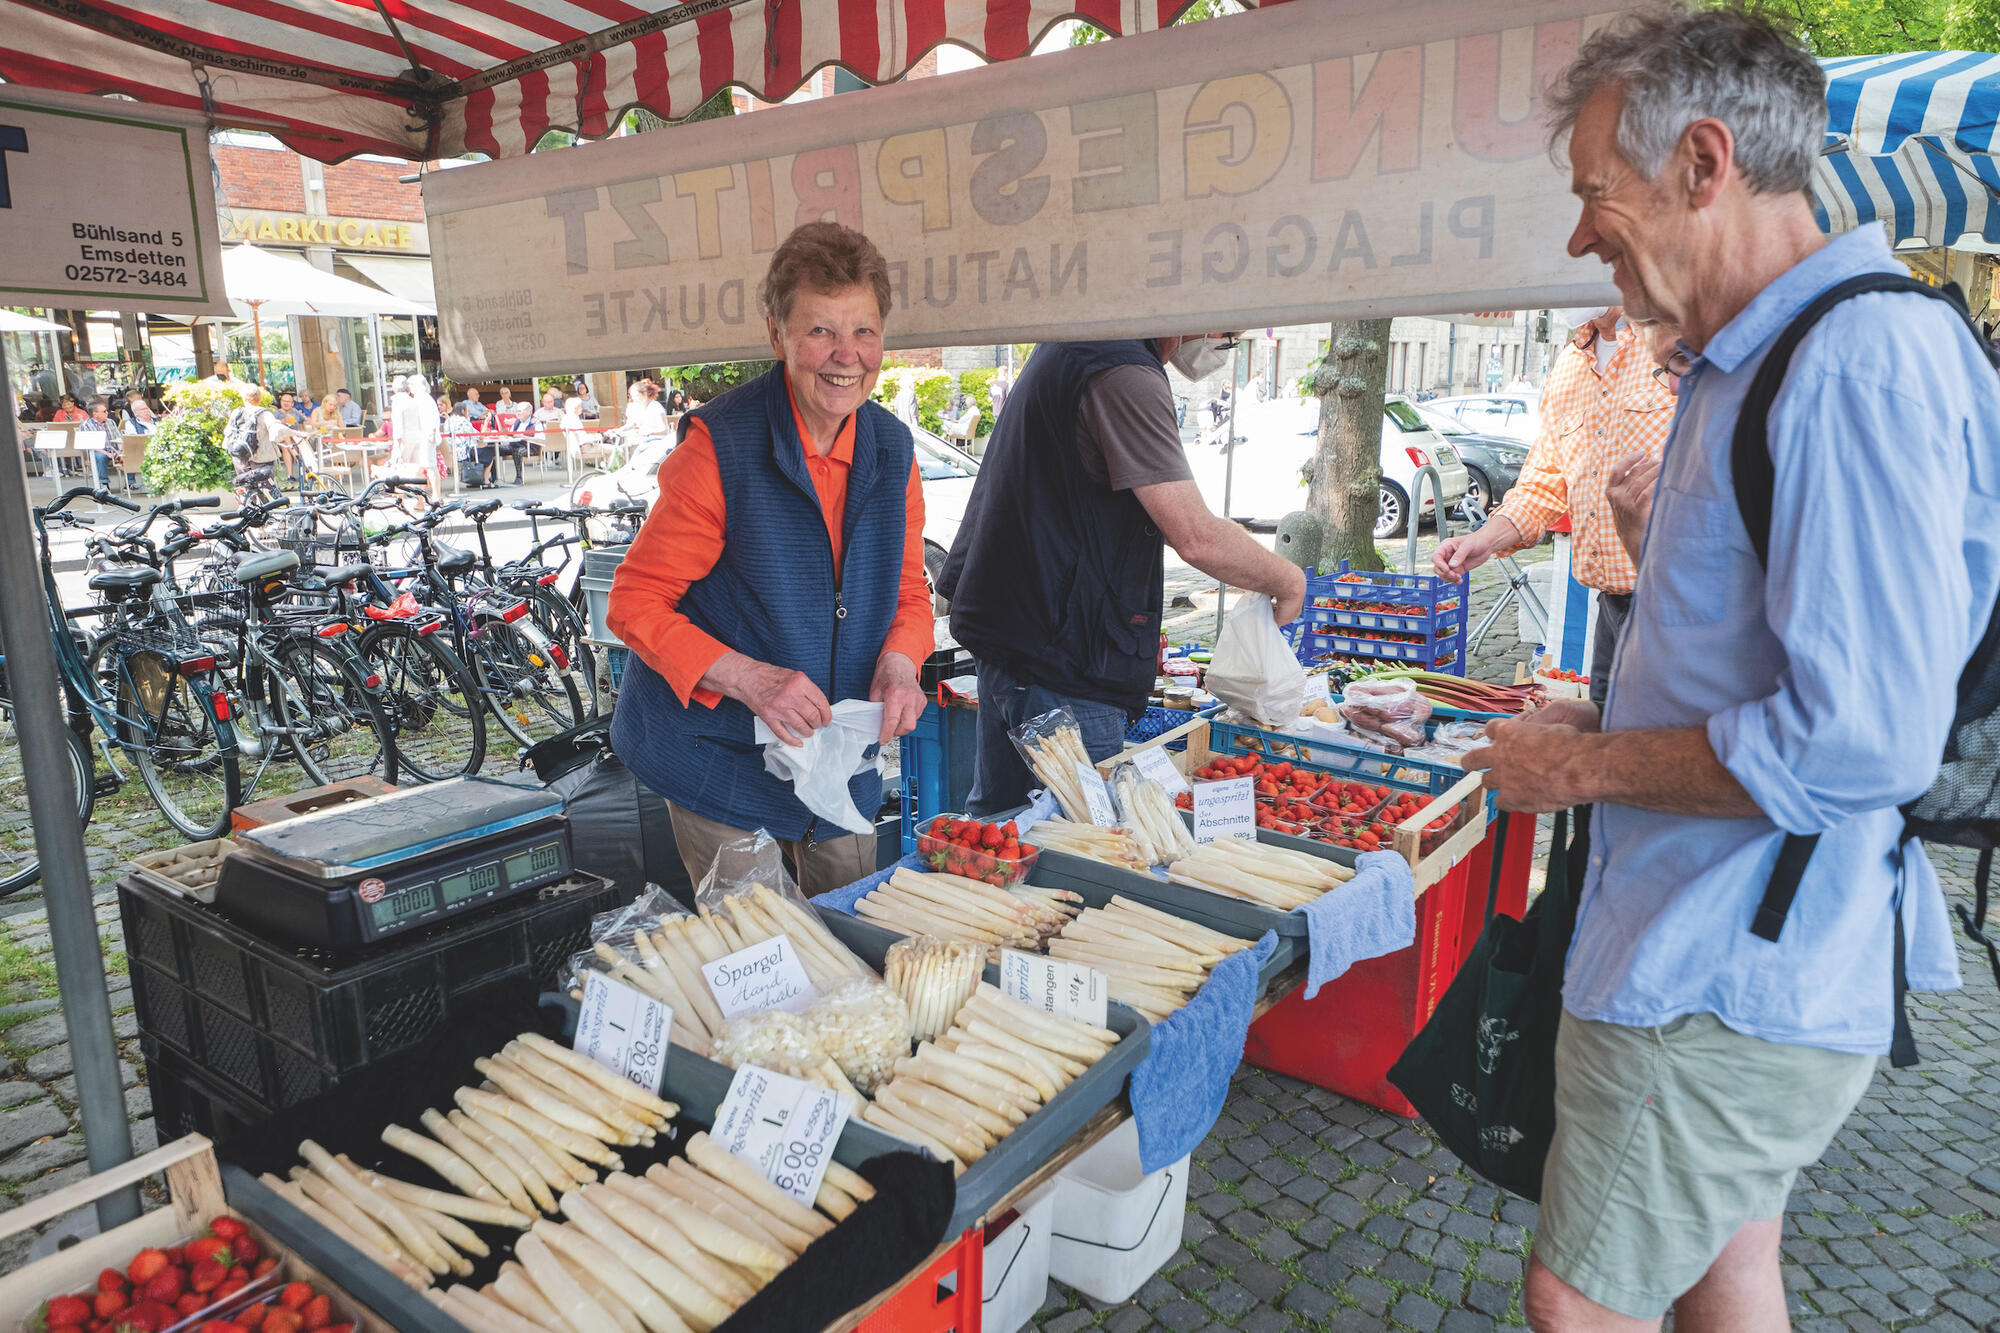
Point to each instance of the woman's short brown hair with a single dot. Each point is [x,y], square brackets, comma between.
[826,257]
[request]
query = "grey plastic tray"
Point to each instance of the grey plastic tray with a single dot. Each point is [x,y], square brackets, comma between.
[1036,1139]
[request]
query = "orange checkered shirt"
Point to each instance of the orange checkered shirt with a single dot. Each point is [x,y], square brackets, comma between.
[1588,422]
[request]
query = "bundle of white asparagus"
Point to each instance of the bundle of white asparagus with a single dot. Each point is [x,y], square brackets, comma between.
[955,907]
[1275,877]
[1112,846]
[677,1251]
[1055,755]
[1149,812]
[510,1150]
[935,978]
[1151,961]
[999,1062]
[782,1043]
[671,957]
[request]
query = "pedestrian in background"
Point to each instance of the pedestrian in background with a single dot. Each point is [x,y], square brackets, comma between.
[1699,1065]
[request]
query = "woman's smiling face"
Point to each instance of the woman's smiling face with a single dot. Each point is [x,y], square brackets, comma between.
[831,344]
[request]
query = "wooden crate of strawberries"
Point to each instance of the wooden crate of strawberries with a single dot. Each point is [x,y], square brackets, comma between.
[191,1267]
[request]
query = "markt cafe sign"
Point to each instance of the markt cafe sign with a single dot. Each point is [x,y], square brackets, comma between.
[282,229]
[1273,167]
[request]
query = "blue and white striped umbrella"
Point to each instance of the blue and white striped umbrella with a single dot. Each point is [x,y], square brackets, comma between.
[1910,142]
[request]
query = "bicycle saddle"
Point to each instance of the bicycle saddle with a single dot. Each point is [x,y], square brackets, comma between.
[453,560]
[250,568]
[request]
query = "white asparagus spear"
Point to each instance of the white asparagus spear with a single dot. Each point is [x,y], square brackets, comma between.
[518,1290]
[456,1205]
[691,1176]
[491,1168]
[652,1190]
[408,1232]
[725,1166]
[578,1310]
[612,1267]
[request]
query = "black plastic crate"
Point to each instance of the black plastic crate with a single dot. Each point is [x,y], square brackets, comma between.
[944,664]
[273,1026]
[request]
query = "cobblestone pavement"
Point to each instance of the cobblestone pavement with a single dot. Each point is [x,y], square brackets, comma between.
[1306,1210]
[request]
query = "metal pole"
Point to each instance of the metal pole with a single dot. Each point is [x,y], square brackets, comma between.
[375,354]
[31,676]
[1228,470]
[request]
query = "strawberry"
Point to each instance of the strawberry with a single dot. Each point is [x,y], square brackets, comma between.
[238,1273]
[317,1312]
[67,1328]
[221,1326]
[109,1303]
[282,1320]
[66,1310]
[165,1285]
[191,1302]
[146,1317]
[228,1228]
[295,1294]
[338,1328]
[110,1279]
[207,1276]
[145,1264]
[247,1250]
[264,1265]
[252,1318]
[177,1255]
[208,1247]
[227,1289]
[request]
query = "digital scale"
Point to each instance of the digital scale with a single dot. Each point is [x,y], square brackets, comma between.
[356,873]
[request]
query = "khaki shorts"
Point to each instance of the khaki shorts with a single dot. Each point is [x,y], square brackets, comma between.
[1668,1140]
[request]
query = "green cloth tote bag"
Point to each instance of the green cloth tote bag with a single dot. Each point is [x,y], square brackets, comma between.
[1482,1070]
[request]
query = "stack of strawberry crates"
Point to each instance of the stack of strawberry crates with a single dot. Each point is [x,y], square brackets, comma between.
[1414,619]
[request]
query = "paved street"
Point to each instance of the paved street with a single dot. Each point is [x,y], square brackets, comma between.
[1307,1210]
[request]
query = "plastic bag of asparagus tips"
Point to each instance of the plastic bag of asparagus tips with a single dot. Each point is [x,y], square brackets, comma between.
[748,898]
[1052,746]
[1149,815]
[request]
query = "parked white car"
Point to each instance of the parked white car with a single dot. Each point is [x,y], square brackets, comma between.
[1275,439]
[947,470]
[1515,415]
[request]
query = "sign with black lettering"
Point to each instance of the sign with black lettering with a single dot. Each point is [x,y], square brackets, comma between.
[1258,169]
[146,241]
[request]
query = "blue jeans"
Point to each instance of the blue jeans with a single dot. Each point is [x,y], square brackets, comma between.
[101,466]
[1000,780]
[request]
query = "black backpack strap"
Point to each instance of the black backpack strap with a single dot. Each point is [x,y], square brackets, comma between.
[1974,921]
[1784,885]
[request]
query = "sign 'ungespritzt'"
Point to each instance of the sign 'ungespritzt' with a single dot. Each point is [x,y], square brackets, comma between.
[1262,168]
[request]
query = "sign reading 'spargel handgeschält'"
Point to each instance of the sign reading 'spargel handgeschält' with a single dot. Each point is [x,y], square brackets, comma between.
[148,241]
[1296,163]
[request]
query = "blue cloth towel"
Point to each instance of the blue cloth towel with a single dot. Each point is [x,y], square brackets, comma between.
[1373,914]
[843,900]
[1178,1089]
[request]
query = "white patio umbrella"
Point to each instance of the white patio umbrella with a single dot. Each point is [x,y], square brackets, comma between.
[261,282]
[15,322]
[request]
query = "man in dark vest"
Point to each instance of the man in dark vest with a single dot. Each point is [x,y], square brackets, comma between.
[1057,575]
[781,571]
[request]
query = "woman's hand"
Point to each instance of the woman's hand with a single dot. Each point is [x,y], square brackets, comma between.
[895,687]
[788,701]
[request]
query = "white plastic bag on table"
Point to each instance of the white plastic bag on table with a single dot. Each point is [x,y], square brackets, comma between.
[1253,669]
[819,770]
[748,897]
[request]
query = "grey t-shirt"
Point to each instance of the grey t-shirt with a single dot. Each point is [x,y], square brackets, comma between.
[1126,433]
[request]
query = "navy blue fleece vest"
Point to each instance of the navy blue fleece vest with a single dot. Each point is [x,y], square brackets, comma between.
[774,595]
[1055,578]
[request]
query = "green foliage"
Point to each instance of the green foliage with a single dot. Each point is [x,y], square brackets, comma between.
[1085,33]
[1876,27]
[977,385]
[203,395]
[706,382]
[184,455]
[933,392]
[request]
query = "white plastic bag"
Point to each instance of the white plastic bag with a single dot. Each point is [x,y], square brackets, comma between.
[819,769]
[1253,670]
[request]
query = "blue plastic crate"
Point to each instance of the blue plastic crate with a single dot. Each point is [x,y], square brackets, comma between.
[1156,720]
[1432,607]
[614,664]
[1348,761]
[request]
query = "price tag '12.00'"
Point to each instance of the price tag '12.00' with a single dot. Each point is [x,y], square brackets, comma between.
[782,1126]
[1102,812]
[1226,809]
[1063,988]
[624,1029]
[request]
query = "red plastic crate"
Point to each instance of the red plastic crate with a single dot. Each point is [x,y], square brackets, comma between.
[1346,1038]
[943,1298]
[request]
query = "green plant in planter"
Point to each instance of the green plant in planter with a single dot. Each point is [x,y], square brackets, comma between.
[977,385]
[933,392]
[185,453]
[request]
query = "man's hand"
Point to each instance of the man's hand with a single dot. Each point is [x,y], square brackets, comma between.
[1290,604]
[1533,765]
[788,701]
[1456,555]
[1580,714]
[1630,491]
[895,688]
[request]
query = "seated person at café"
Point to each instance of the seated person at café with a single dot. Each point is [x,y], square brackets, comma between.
[99,426]
[350,411]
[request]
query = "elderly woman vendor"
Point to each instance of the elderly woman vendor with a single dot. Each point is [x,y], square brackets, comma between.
[780,571]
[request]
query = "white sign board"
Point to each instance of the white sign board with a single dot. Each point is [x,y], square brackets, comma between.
[1061,987]
[1226,809]
[106,206]
[1103,810]
[1154,763]
[783,1126]
[1282,166]
[624,1029]
[764,976]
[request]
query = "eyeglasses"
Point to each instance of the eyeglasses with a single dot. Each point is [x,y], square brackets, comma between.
[1679,364]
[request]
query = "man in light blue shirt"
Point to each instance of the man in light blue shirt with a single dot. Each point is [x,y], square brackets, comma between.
[1699,1066]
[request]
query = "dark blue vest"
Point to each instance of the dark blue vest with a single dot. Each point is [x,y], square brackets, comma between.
[1055,578]
[774,595]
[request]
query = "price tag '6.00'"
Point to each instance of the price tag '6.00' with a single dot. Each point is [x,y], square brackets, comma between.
[624,1029]
[783,1126]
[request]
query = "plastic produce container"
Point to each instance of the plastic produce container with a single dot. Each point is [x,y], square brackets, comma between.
[941,853]
[1015,1268]
[1114,1225]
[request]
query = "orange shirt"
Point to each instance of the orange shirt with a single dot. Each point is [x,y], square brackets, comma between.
[683,538]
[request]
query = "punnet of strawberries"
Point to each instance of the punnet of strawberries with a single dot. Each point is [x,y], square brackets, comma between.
[173,1288]
[961,845]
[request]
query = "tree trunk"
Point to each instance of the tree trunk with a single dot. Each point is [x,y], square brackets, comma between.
[1347,469]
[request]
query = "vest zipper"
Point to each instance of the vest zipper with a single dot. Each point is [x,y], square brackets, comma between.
[811,839]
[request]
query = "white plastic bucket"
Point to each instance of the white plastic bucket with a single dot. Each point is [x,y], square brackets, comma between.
[1016,1266]
[1115,1226]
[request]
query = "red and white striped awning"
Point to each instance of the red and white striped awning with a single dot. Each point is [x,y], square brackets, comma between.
[425,79]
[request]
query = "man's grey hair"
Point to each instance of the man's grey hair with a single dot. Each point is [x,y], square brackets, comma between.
[1676,66]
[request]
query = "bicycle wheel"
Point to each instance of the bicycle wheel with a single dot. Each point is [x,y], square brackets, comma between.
[343,732]
[532,698]
[184,756]
[431,700]
[570,632]
[20,861]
